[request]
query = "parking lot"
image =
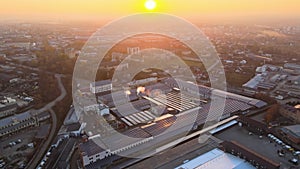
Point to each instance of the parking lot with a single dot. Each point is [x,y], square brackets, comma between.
[15,150]
[263,145]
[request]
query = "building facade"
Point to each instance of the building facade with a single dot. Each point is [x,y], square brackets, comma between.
[100,86]
[292,133]
[290,112]
[16,123]
[92,152]
[8,109]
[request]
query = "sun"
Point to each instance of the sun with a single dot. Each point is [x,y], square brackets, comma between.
[150,4]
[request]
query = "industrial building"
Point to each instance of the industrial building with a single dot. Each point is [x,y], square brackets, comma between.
[292,133]
[16,123]
[149,110]
[295,80]
[91,152]
[260,82]
[71,117]
[268,77]
[216,158]
[43,116]
[292,66]
[95,149]
[140,82]
[100,86]
[254,158]
[290,112]
[8,109]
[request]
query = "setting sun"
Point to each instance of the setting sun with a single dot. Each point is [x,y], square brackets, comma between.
[150,4]
[220,10]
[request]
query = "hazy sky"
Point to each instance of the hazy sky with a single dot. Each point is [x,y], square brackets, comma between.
[63,9]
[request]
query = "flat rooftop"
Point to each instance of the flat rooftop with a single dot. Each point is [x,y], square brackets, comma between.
[189,111]
[216,159]
[15,118]
[177,155]
[294,130]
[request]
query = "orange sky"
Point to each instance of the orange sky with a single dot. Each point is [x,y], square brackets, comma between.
[117,8]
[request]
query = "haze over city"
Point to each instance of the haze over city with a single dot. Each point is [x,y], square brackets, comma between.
[158,84]
[99,10]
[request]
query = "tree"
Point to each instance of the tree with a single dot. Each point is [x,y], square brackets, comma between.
[265,98]
[272,113]
[48,89]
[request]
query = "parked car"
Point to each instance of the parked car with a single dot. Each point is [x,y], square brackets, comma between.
[296,153]
[293,161]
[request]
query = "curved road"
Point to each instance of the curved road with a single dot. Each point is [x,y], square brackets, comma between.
[48,107]
[59,98]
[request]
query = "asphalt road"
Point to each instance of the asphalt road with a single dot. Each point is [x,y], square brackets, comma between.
[48,107]
[51,104]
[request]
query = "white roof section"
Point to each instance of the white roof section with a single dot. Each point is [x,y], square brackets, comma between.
[267,67]
[253,83]
[292,66]
[222,127]
[251,101]
[72,117]
[216,159]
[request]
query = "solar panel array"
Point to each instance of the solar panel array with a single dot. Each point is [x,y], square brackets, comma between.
[176,101]
[160,126]
[137,133]
[138,118]
[135,110]
[139,111]
[232,106]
